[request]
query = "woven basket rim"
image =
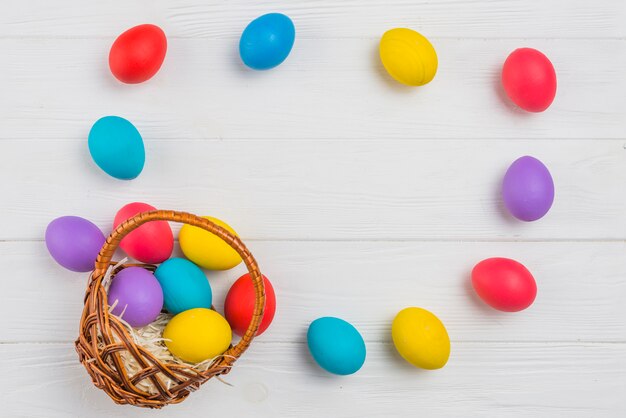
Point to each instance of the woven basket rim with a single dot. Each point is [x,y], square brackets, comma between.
[103,337]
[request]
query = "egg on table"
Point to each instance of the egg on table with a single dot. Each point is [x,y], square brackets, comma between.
[184,285]
[117,147]
[528,189]
[74,242]
[137,54]
[504,284]
[529,79]
[208,250]
[408,57]
[152,242]
[197,335]
[336,346]
[136,296]
[239,305]
[421,338]
[267,41]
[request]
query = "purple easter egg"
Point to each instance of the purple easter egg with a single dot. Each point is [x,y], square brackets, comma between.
[74,242]
[528,189]
[138,294]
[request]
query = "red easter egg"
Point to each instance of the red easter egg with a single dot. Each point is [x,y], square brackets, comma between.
[504,284]
[152,242]
[529,79]
[239,305]
[137,54]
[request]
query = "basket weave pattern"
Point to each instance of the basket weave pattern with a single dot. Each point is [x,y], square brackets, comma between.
[103,338]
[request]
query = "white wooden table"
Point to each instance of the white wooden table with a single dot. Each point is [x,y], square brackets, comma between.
[358,196]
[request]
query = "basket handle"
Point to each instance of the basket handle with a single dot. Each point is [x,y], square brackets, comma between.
[113,241]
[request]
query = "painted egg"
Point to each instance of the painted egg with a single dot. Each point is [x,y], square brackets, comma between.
[421,338]
[184,285]
[208,250]
[336,345]
[239,305]
[408,56]
[197,335]
[152,242]
[137,54]
[136,296]
[528,189]
[74,242]
[504,284]
[117,148]
[267,41]
[529,79]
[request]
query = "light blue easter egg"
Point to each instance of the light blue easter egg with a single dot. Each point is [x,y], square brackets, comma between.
[336,345]
[267,41]
[116,147]
[184,285]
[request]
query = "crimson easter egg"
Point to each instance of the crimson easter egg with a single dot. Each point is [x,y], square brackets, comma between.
[239,305]
[152,242]
[504,284]
[529,79]
[137,54]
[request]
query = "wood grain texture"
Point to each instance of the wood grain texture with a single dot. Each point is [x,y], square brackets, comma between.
[323,18]
[565,380]
[581,289]
[324,190]
[327,89]
[358,197]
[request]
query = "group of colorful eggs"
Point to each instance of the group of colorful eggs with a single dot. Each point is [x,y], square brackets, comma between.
[179,286]
[528,76]
[418,335]
[197,332]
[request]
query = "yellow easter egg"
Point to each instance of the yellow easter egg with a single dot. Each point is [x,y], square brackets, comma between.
[197,334]
[408,56]
[421,338]
[208,250]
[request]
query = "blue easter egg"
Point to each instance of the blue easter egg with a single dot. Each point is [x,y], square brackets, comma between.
[116,147]
[267,41]
[336,345]
[184,285]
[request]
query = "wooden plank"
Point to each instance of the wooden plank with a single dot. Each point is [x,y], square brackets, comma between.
[483,379]
[322,18]
[329,88]
[581,289]
[324,190]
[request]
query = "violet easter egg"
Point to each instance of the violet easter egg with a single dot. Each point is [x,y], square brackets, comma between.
[528,189]
[504,284]
[529,79]
[74,242]
[152,242]
[136,296]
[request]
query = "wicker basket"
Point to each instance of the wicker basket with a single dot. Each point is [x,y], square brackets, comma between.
[104,340]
